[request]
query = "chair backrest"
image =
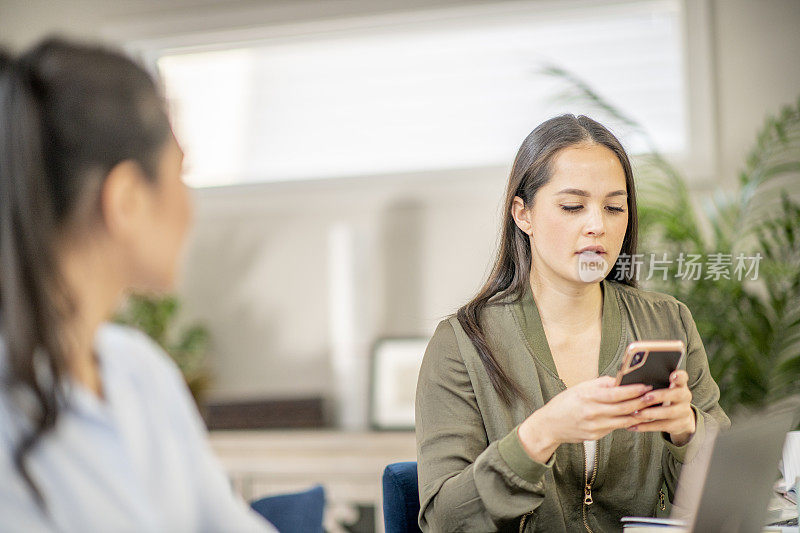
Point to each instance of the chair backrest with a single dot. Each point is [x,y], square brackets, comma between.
[300,512]
[400,498]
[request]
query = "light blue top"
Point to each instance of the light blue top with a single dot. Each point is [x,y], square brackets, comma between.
[137,460]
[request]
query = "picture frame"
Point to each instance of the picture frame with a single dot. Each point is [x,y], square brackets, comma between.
[395,367]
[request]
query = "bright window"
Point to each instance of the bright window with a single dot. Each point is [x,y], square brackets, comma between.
[453,92]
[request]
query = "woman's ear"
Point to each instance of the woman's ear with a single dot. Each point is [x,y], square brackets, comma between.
[522,215]
[122,199]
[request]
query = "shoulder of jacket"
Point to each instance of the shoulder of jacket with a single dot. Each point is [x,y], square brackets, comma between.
[627,292]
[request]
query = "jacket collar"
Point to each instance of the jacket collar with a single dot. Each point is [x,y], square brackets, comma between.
[527,315]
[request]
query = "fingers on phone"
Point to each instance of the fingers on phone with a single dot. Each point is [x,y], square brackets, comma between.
[629,392]
[678,378]
[669,396]
[622,394]
[660,412]
[627,408]
[625,422]
[606,381]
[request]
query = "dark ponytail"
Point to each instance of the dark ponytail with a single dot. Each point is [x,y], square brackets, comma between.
[512,266]
[68,114]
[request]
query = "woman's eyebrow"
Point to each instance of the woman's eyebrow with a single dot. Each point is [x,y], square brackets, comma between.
[579,192]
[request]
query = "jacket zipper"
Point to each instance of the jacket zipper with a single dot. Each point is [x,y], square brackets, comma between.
[662,503]
[587,489]
[523,521]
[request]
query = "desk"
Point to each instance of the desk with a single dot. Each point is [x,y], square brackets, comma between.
[779,507]
[782,509]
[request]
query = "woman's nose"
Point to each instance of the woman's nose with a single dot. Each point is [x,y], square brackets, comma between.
[594,224]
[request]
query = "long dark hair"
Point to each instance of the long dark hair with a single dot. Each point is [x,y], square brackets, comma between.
[68,114]
[511,271]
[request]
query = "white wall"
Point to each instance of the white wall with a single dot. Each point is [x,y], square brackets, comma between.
[757,44]
[256,268]
[258,264]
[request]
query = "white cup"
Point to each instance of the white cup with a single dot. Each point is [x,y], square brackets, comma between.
[791,458]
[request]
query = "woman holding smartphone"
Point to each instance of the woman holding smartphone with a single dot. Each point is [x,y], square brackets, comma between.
[520,426]
[97,429]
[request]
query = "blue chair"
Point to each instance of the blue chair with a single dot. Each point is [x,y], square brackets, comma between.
[401,498]
[300,512]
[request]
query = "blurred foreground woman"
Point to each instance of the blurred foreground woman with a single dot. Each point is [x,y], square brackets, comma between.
[97,429]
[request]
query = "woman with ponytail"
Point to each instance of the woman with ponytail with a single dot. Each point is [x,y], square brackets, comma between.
[97,429]
[519,424]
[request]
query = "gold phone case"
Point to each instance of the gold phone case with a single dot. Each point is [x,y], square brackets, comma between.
[651,362]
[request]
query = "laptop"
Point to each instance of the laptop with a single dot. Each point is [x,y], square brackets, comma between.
[728,485]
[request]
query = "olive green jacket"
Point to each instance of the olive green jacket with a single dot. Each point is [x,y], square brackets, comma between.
[474,474]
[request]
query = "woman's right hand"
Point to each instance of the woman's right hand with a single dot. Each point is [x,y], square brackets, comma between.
[587,411]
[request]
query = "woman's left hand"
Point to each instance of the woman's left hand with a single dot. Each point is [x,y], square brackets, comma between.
[675,416]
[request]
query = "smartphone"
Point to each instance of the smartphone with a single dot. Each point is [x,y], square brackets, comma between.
[651,363]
